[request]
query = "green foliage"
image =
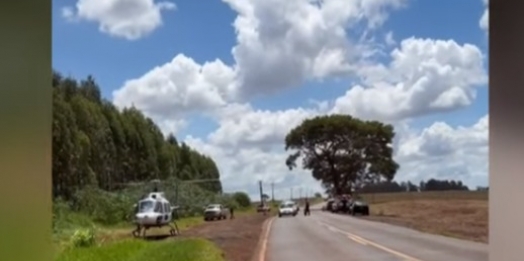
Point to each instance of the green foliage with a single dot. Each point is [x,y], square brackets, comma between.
[343,152]
[242,199]
[83,238]
[95,144]
[108,208]
[65,219]
[139,250]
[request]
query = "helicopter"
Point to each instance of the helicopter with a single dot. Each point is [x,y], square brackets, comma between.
[154,210]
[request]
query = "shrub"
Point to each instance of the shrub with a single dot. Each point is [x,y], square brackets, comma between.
[242,199]
[83,238]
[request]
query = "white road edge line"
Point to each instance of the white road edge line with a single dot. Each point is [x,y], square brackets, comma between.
[263,250]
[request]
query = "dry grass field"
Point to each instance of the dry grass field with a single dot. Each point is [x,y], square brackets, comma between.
[460,214]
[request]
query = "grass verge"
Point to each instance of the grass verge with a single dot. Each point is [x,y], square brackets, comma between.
[139,250]
[72,222]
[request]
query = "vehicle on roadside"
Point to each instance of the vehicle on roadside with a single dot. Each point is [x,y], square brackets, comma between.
[329,205]
[287,209]
[215,212]
[297,206]
[359,207]
[263,208]
[343,205]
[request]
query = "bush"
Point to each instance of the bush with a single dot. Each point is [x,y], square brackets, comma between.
[242,199]
[83,238]
[64,218]
[104,207]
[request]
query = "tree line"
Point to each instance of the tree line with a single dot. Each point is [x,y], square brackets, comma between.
[95,144]
[429,185]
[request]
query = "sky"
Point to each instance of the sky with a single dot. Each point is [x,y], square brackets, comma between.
[232,77]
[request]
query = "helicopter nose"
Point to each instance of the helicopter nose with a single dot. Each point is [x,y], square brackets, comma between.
[146,218]
[141,217]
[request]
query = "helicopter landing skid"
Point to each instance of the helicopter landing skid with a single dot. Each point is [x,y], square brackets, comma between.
[173,230]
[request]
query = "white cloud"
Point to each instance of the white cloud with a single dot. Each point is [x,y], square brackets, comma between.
[178,87]
[484,20]
[389,39]
[170,126]
[279,45]
[425,76]
[261,128]
[443,152]
[129,19]
[282,43]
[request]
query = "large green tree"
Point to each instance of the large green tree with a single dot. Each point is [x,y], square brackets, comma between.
[343,151]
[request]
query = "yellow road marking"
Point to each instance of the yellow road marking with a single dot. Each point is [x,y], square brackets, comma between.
[368,242]
[263,249]
[356,239]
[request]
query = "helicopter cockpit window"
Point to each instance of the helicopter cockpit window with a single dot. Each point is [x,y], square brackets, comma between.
[146,206]
[158,207]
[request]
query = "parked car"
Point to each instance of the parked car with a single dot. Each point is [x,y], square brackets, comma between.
[359,207]
[263,208]
[343,205]
[329,205]
[215,212]
[287,209]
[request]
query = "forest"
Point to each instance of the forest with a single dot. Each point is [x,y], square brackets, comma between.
[103,157]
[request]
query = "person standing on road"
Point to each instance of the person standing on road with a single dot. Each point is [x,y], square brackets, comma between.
[306,209]
[231,212]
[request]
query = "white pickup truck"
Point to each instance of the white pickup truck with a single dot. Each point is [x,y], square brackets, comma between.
[288,208]
[215,212]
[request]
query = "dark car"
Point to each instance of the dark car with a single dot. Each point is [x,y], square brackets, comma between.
[359,207]
[329,205]
[343,206]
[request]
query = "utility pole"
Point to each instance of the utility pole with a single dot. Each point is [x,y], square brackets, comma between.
[260,188]
[273,192]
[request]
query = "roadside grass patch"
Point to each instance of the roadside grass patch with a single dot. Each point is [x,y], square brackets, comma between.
[140,250]
[83,238]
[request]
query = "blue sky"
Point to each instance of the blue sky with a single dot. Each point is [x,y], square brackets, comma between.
[205,32]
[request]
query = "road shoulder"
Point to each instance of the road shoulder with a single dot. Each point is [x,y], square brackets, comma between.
[238,238]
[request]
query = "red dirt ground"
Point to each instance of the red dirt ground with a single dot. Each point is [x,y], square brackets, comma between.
[238,237]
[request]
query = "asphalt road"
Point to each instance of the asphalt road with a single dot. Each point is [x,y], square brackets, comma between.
[332,237]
